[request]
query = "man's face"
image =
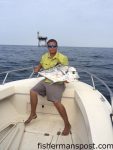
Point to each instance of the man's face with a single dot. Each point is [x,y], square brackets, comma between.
[52,47]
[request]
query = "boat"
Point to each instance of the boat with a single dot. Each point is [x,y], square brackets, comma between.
[89,113]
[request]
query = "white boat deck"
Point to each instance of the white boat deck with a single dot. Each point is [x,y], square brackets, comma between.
[46,129]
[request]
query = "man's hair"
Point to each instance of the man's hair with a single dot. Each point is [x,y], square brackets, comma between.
[52,40]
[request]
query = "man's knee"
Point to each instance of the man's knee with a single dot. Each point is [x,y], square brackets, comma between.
[32,92]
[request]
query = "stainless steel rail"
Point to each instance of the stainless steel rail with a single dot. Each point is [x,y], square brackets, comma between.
[16,70]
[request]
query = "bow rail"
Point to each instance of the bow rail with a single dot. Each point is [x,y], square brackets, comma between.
[15,70]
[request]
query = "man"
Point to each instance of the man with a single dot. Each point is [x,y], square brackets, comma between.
[54,91]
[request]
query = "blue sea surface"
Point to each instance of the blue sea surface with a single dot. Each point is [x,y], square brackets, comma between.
[98,61]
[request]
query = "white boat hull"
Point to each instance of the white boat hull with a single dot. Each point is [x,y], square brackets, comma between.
[87,109]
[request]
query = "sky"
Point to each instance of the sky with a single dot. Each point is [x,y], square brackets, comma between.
[81,23]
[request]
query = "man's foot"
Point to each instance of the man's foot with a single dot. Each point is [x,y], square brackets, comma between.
[30,118]
[66,130]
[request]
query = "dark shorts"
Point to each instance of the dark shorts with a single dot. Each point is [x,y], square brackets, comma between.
[52,91]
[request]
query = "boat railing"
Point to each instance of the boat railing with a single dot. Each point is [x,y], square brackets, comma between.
[92,76]
[6,73]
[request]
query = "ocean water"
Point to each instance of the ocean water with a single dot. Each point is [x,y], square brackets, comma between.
[98,61]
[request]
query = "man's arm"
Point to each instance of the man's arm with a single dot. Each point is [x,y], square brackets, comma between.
[37,69]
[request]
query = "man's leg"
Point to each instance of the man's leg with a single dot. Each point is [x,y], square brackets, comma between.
[34,101]
[62,111]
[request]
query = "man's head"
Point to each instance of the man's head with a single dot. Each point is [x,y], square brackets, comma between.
[52,46]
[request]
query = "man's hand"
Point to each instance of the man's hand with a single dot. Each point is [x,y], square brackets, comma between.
[66,81]
[36,69]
